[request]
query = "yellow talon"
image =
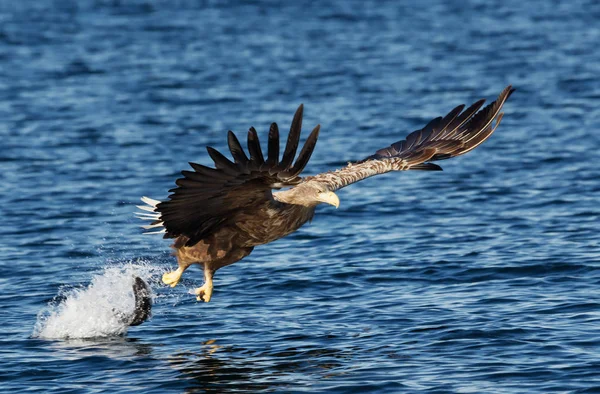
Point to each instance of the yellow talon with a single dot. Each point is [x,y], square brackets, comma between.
[204,293]
[172,278]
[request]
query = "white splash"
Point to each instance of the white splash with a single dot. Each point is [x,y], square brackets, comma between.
[93,311]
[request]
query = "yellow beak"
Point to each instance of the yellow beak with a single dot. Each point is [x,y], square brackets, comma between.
[329,198]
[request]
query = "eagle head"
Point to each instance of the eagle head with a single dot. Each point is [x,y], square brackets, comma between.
[328,197]
[309,194]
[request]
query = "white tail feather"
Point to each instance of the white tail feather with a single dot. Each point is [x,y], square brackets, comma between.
[149,213]
[149,201]
[164,230]
[145,208]
[147,216]
[148,227]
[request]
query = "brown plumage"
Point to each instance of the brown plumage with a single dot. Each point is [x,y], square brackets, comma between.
[218,215]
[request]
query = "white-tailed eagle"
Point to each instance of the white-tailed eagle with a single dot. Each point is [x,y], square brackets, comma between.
[218,215]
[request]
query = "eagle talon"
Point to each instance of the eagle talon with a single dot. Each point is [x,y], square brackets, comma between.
[172,278]
[204,293]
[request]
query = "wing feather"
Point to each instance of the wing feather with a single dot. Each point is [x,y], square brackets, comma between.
[462,118]
[256,155]
[273,147]
[445,123]
[209,173]
[237,152]
[221,162]
[305,153]
[293,140]
[442,138]
[207,198]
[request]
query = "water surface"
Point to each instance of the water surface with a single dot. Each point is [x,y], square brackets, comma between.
[481,278]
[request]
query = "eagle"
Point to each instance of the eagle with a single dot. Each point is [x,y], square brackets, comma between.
[217,216]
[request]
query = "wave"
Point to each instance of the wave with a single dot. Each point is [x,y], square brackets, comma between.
[95,310]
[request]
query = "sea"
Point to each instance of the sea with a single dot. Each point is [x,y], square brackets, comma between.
[483,278]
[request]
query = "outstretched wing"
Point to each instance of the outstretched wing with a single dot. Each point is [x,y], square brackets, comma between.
[206,198]
[452,135]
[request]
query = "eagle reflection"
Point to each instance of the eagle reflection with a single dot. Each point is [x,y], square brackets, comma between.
[222,369]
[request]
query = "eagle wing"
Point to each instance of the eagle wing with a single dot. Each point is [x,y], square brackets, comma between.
[457,133]
[206,198]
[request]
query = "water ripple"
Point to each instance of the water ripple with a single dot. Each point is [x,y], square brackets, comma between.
[482,278]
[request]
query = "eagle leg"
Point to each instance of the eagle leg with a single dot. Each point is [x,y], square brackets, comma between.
[173,277]
[204,293]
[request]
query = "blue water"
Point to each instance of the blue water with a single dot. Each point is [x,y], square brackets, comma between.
[483,278]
